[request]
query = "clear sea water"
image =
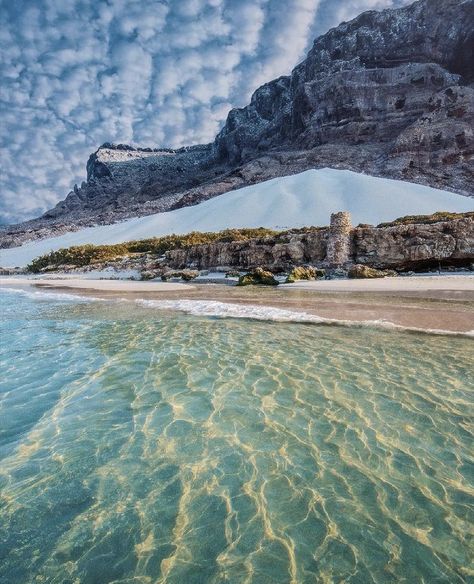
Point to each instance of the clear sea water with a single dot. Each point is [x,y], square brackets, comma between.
[142,446]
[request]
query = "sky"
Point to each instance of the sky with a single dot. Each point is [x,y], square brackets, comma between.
[161,73]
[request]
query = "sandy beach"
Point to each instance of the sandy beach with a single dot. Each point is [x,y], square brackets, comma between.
[426,303]
[439,303]
[97,285]
[402,284]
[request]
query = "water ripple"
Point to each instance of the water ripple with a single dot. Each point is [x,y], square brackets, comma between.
[147,447]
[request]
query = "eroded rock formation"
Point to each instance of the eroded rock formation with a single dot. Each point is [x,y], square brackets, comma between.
[413,246]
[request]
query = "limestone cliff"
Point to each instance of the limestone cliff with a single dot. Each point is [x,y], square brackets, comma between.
[411,246]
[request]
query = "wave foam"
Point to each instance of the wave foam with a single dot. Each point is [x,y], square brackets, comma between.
[57,296]
[270,313]
[231,310]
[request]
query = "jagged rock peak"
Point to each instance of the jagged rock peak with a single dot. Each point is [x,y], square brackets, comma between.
[129,148]
[428,46]
[435,31]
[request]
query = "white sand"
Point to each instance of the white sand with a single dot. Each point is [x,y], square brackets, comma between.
[400,284]
[103,285]
[303,199]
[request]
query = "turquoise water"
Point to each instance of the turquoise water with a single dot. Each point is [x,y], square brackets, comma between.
[144,446]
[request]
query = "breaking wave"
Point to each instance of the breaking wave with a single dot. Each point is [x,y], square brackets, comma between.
[269,313]
[218,309]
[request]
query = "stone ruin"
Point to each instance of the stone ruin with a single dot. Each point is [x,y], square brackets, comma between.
[339,240]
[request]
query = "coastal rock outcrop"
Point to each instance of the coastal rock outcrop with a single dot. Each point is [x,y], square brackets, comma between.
[390,93]
[410,246]
[411,243]
[415,245]
[279,253]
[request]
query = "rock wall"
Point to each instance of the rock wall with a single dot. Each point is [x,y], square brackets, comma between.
[415,246]
[278,253]
[392,91]
[404,247]
[119,179]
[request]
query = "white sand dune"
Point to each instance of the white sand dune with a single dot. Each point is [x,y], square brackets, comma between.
[300,200]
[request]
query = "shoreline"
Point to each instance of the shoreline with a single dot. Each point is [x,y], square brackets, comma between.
[425,303]
[97,285]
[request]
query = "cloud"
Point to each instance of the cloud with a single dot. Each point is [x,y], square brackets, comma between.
[77,73]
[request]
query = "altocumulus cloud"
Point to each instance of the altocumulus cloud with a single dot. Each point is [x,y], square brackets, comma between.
[77,73]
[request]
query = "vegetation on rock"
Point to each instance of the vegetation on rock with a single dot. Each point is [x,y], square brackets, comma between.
[85,255]
[427,219]
[304,273]
[259,276]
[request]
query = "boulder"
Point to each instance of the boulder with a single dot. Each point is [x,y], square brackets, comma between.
[185,275]
[258,277]
[149,274]
[359,271]
[304,273]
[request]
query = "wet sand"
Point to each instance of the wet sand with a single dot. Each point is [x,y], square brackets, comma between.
[441,303]
[97,285]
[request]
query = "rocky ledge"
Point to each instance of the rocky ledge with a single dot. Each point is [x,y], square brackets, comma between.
[390,93]
[407,244]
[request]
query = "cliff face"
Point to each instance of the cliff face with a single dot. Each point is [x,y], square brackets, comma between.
[404,247]
[390,93]
[415,246]
[119,179]
[276,253]
[392,88]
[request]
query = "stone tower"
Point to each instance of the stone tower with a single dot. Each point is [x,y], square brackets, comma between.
[339,240]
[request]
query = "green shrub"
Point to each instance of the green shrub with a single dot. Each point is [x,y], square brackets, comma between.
[79,256]
[86,255]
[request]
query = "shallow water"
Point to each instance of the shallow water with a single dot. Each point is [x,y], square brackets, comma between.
[146,446]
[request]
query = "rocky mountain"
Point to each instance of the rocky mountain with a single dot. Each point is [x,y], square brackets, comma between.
[390,93]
